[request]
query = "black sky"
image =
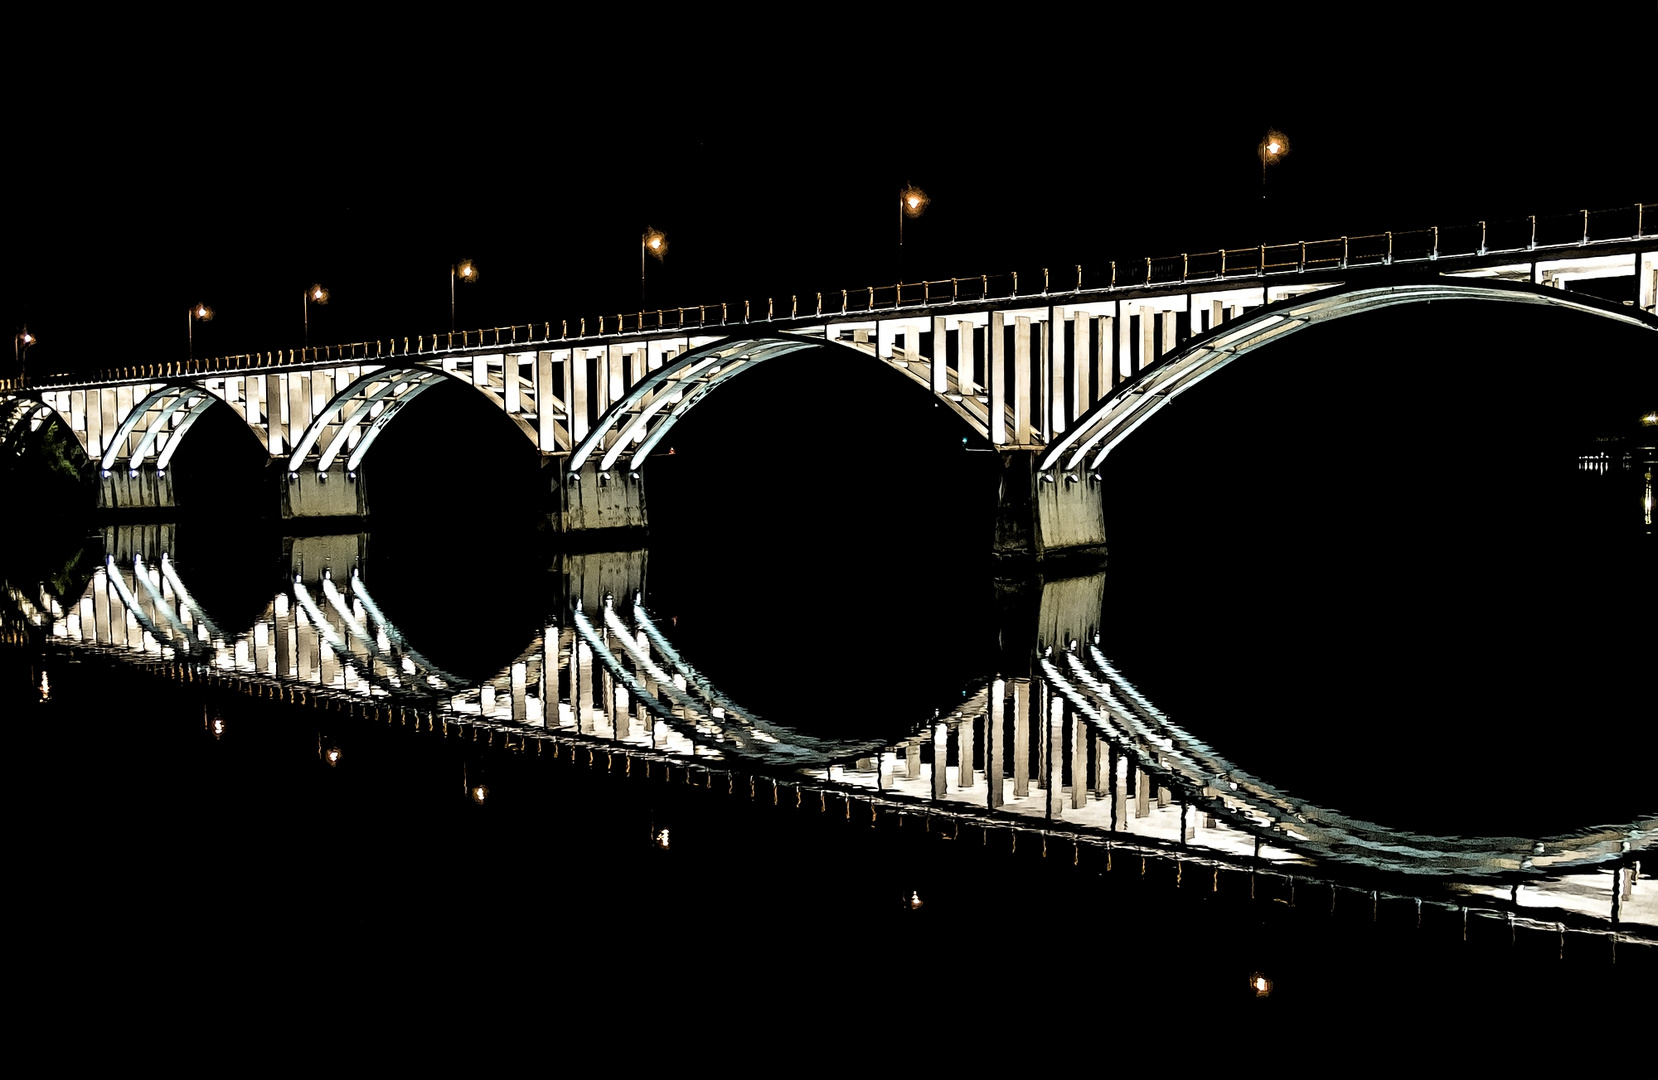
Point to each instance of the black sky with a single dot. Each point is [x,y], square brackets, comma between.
[153,166]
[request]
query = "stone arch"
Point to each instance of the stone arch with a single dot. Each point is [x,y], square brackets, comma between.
[1111,421]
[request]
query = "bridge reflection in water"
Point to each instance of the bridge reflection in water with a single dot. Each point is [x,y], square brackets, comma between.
[1067,747]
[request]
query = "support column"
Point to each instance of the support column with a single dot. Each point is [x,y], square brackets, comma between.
[1055,763]
[1104,361]
[1021,738]
[994,744]
[995,378]
[1053,352]
[1021,380]
[592,503]
[940,357]
[578,394]
[1081,363]
[1039,516]
[545,424]
[310,495]
[964,357]
[1148,339]
[1125,345]
[148,489]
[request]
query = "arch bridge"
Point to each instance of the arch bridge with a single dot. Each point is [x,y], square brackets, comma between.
[1052,374]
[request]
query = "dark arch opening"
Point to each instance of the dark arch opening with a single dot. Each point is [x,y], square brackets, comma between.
[1404,572]
[456,497]
[44,472]
[219,469]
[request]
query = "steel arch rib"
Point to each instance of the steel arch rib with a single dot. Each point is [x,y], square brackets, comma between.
[23,410]
[417,379]
[141,409]
[1100,430]
[667,394]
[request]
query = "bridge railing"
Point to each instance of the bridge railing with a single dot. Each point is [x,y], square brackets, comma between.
[1554,232]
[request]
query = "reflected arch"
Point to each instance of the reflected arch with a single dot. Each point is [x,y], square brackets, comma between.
[348,425]
[631,428]
[1103,428]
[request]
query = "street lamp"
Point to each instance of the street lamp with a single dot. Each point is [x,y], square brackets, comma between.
[198,313]
[316,294]
[20,352]
[1274,145]
[467,271]
[652,242]
[912,203]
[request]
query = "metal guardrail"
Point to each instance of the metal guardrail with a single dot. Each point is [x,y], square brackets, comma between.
[1517,236]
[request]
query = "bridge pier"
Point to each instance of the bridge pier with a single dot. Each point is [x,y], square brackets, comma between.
[310,494]
[143,488]
[591,502]
[1038,517]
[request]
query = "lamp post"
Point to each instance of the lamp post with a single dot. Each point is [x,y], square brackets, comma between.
[651,242]
[316,294]
[467,271]
[20,352]
[1274,145]
[198,313]
[1271,150]
[912,203]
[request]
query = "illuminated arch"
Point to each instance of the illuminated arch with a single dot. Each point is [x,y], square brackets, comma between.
[638,421]
[157,407]
[379,396]
[21,415]
[1102,428]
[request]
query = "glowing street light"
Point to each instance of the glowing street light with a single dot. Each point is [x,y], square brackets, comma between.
[912,203]
[316,294]
[198,313]
[652,242]
[20,351]
[467,271]
[1274,145]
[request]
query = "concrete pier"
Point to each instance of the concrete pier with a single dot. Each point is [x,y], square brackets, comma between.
[589,501]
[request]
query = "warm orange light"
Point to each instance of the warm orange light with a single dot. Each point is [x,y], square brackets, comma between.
[467,270]
[1274,145]
[1260,984]
[914,201]
[480,793]
[656,242]
[202,313]
[319,295]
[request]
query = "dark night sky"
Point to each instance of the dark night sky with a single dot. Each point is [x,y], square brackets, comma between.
[199,169]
